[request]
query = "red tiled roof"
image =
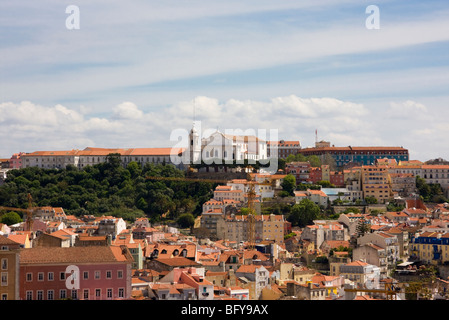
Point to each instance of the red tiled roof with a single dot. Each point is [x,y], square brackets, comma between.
[89,151]
[93,254]
[178,262]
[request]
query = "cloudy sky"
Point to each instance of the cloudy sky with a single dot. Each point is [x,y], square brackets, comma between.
[132,72]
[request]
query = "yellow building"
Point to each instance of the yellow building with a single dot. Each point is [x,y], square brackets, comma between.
[267,227]
[431,247]
[376,183]
[9,269]
[289,272]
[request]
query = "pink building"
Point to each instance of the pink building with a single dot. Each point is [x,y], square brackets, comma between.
[101,273]
[301,170]
[337,179]
[16,162]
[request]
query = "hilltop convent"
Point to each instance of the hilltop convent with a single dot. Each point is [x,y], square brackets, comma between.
[221,148]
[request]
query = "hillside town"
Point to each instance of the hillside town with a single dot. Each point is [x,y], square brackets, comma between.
[359,228]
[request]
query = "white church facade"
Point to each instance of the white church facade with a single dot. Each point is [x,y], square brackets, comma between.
[224,148]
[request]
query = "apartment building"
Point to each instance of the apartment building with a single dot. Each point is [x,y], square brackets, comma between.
[385,240]
[359,155]
[257,274]
[267,227]
[403,184]
[361,273]
[436,174]
[373,255]
[79,273]
[430,247]
[376,183]
[9,269]
[282,148]
[301,170]
[222,193]
[324,230]
[318,197]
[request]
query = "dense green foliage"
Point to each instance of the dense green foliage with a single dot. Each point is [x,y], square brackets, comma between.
[108,189]
[10,218]
[341,249]
[430,192]
[289,184]
[303,213]
[313,160]
[186,220]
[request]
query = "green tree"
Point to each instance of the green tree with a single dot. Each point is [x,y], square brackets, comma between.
[281,163]
[289,184]
[186,220]
[393,206]
[314,161]
[362,228]
[134,168]
[10,218]
[325,184]
[430,192]
[370,200]
[303,213]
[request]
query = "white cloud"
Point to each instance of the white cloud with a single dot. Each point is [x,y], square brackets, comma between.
[407,109]
[30,127]
[152,50]
[127,110]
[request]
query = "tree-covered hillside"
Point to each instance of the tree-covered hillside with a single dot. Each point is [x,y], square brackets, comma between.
[108,189]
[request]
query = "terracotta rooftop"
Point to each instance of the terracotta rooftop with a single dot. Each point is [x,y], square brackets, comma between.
[178,262]
[93,254]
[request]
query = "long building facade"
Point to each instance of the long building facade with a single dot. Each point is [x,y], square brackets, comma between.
[92,156]
[101,273]
[357,155]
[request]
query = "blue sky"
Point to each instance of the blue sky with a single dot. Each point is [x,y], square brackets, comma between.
[130,75]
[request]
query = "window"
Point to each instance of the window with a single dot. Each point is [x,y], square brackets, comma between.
[86,294]
[97,293]
[97,275]
[4,279]
[86,275]
[74,294]
[109,293]
[120,274]
[62,293]
[40,295]
[50,276]
[62,276]
[4,264]
[40,276]
[121,293]
[108,274]
[29,295]
[50,294]
[29,277]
